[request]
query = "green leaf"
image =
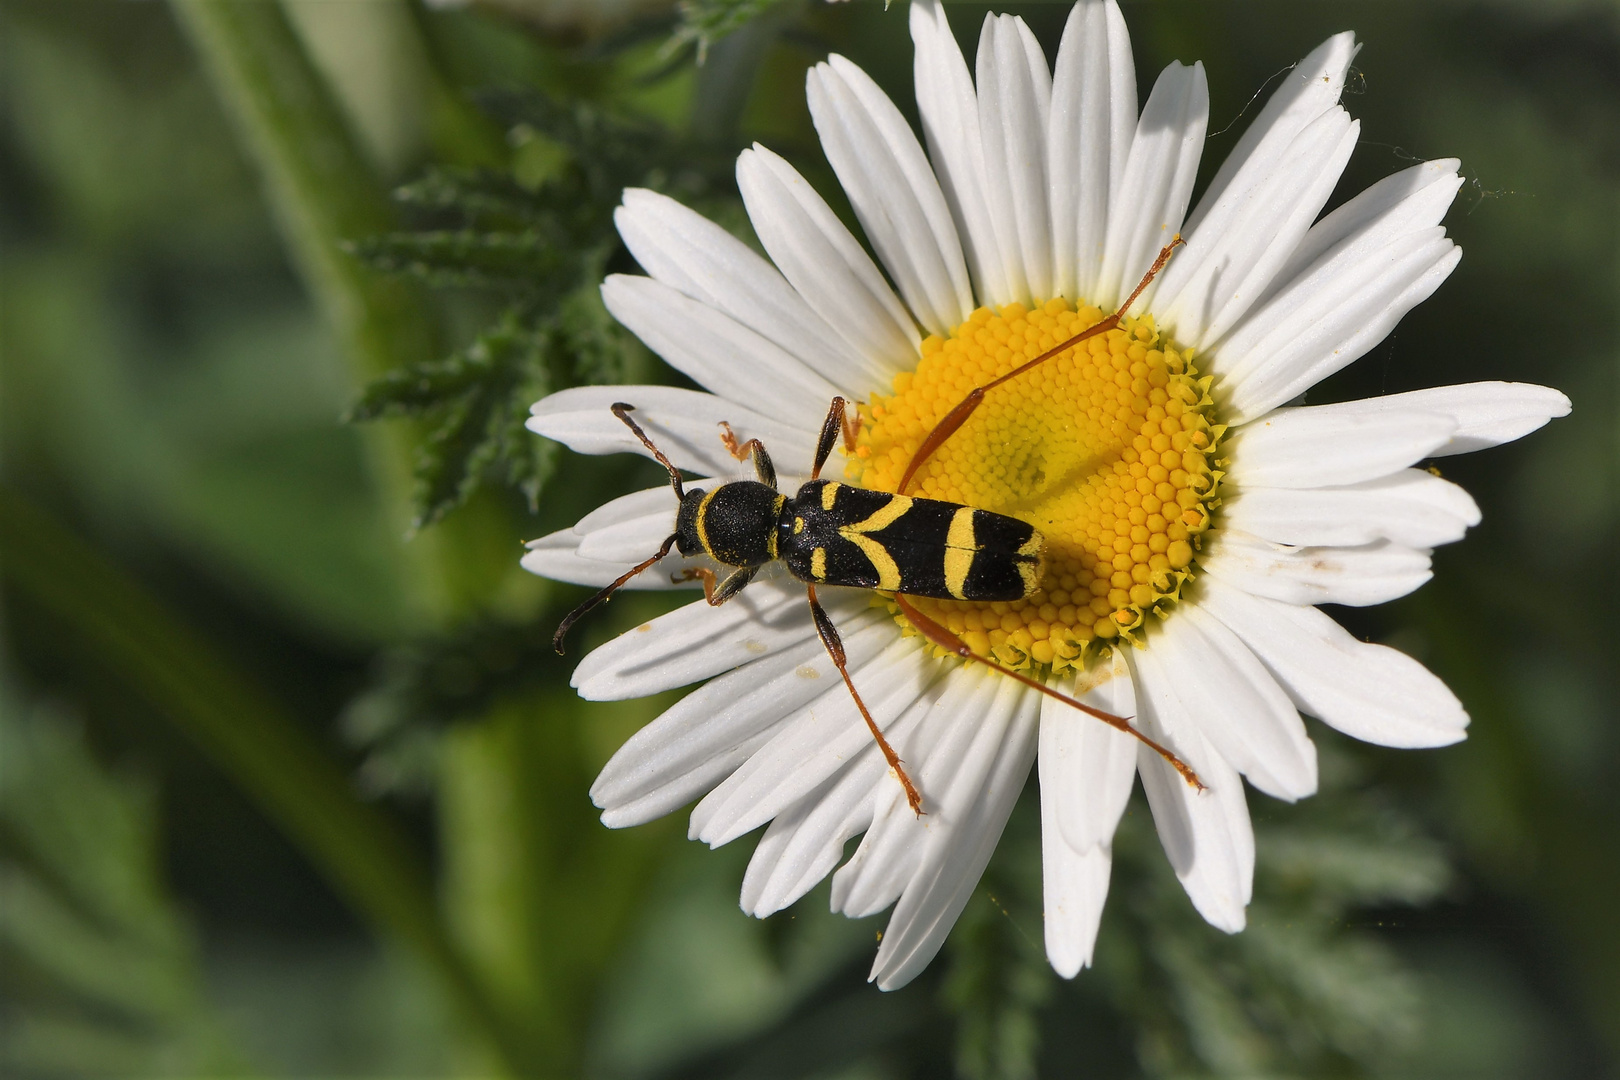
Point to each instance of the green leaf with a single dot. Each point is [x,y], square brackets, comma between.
[1299,991]
[546,243]
[291,777]
[705,22]
[481,196]
[105,973]
[532,259]
[476,402]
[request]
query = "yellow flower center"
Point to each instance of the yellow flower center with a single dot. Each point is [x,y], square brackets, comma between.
[1108,449]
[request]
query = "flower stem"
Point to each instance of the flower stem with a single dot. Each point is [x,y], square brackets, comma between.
[262,749]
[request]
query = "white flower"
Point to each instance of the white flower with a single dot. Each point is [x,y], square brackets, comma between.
[1195,517]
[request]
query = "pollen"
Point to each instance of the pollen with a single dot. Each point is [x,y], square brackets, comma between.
[1110,449]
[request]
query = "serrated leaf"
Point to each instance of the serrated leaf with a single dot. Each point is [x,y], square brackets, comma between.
[1299,992]
[531,259]
[548,245]
[597,346]
[475,404]
[481,197]
[705,22]
[413,390]
[447,464]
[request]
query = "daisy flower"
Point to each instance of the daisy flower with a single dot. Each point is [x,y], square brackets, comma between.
[1194,512]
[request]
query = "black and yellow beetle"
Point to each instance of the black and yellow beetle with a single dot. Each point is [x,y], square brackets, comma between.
[829,533]
[833,534]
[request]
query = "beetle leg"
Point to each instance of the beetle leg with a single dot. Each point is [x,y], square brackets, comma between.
[835,649]
[740,450]
[942,637]
[699,573]
[718,594]
[964,408]
[830,428]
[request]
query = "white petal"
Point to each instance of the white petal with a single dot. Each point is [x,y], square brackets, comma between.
[685,424]
[1074,885]
[893,190]
[714,349]
[1015,100]
[1237,705]
[1260,203]
[687,251]
[681,788]
[1411,507]
[818,741]
[1087,767]
[805,841]
[1309,90]
[1487,413]
[1351,266]
[1359,576]
[1088,139]
[1310,336]
[1321,445]
[1206,835]
[647,512]
[971,817]
[949,110]
[698,641]
[1246,236]
[556,556]
[703,737]
[825,264]
[1370,692]
[625,543]
[1158,180]
[1410,201]
[1086,770]
[954,738]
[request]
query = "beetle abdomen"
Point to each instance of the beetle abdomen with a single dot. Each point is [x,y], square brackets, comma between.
[835,534]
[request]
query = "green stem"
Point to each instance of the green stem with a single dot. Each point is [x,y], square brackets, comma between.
[324,192]
[318,182]
[259,747]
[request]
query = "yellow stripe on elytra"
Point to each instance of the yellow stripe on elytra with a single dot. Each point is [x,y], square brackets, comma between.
[829,495]
[960,547]
[702,515]
[1032,566]
[818,564]
[770,539]
[888,570]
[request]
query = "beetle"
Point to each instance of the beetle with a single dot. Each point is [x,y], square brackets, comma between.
[828,533]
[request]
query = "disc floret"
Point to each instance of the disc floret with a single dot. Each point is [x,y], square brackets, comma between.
[1110,449]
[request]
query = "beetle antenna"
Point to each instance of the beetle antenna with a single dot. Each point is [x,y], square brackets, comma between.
[607,594]
[964,408]
[621,410]
[942,637]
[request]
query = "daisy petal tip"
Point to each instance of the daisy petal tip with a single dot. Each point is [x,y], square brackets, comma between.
[1450,738]
[1226,912]
[1067,963]
[618,817]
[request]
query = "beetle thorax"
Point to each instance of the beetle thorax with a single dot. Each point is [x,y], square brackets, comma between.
[734,524]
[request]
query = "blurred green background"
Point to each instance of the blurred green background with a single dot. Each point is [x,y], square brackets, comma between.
[290,786]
